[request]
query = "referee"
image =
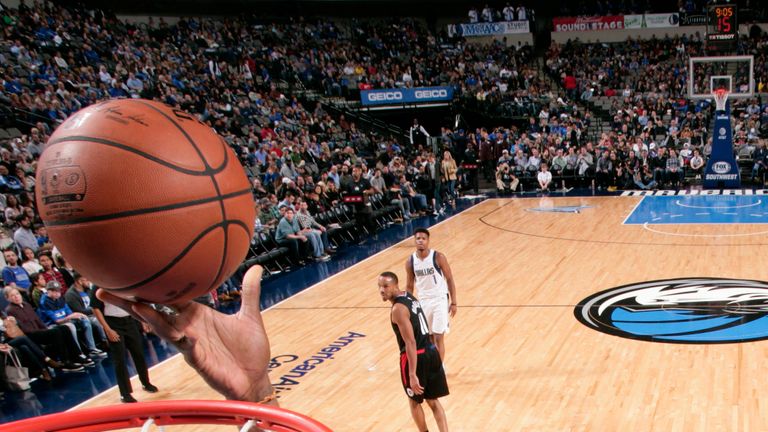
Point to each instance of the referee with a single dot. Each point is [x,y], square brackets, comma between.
[123,332]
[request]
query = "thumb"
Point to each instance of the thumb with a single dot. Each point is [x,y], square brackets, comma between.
[252,292]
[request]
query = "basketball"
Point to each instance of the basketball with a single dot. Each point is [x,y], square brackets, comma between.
[145,200]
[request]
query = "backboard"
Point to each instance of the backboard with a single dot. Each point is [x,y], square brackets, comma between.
[733,73]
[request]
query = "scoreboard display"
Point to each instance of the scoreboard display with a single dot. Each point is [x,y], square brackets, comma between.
[722,26]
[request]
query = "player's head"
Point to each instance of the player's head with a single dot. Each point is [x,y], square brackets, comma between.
[388,285]
[421,237]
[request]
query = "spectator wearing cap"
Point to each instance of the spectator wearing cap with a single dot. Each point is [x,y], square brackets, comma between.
[505,158]
[78,298]
[54,311]
[23,236]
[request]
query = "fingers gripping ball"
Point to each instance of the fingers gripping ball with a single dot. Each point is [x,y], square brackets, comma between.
[145,200]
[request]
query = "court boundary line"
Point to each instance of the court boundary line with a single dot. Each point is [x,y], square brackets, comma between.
[633,211]
[298,293]
[649,229]
[541,236]
[679,204]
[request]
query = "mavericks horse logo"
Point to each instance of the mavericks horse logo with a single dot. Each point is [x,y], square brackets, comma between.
[690,310]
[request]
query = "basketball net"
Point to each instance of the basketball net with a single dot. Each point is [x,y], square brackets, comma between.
[721,97]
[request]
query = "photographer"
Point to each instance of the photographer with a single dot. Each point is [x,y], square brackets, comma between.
[506,181]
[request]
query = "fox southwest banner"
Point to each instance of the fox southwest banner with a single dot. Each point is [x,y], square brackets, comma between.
[406,96]
[595,23]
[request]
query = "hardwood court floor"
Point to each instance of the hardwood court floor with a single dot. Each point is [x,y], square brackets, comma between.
[517,359]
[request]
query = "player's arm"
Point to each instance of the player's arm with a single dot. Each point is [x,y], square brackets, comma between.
[98,311]
[401,318]
[442,261]
[409,285]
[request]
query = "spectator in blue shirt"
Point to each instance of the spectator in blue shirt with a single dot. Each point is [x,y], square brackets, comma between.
[53,310]
[14,274]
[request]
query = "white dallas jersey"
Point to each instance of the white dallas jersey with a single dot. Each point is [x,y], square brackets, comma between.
[429,279]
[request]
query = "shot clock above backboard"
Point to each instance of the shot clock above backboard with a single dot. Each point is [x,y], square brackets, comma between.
[722,27]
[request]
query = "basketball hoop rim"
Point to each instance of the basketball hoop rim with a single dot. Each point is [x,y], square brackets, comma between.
[721,97]
[166,413]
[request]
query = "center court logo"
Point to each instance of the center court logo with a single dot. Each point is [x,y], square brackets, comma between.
[690,310]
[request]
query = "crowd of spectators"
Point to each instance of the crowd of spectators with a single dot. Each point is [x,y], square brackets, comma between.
[230,74]
[403,53]
[510,12]
[624,7]
[304,162]
[647,84]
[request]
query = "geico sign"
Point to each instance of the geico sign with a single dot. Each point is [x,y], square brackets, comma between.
[433,93]
[388,96]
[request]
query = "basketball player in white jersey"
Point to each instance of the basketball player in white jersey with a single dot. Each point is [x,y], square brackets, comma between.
[429,273]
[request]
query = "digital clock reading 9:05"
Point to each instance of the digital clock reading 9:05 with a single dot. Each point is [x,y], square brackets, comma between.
[723,25]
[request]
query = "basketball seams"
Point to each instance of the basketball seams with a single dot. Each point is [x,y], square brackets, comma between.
[212,175]
[191,252]
[115,144]
[224,224]
[138,212]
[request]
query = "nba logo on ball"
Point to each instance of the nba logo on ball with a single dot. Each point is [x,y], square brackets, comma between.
[145,200]
[721,167]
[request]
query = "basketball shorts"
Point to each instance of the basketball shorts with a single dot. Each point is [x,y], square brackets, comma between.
[429,370]
[436,311]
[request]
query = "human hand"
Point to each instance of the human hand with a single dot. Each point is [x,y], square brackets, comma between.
[5,348]
[112,335]
[212,342]
[415,385]
[452,309]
